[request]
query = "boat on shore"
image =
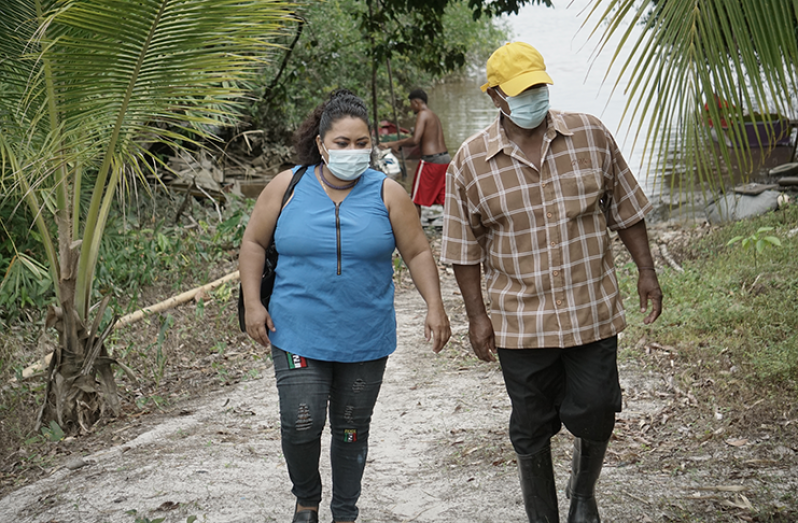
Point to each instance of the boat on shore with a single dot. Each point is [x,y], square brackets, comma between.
[388,133]
[766,131]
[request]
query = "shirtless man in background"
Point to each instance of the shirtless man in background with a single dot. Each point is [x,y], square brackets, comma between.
[429,184]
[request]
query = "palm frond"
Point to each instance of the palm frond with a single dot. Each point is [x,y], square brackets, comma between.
[93,81]
[17,25]
[158,59]
[697,64]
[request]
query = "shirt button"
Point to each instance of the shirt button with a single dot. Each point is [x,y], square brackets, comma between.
[559,302]
[556,273]
[553,244]
[548,215]
[543,184]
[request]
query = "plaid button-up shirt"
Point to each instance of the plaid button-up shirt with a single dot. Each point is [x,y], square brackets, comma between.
[542,235]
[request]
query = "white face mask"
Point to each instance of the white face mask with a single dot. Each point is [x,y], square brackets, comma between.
[348,164]
[528,109]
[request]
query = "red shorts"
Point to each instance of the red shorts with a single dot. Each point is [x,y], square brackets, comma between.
[429,185]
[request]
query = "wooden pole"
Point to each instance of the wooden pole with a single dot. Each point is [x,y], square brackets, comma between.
[396,118]
[373,77]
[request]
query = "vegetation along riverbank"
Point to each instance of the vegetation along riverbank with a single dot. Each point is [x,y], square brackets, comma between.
[711,390]
[105,210]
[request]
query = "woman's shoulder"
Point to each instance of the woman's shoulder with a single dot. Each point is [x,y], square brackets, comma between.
[375,173]
[284,177]
[392,190]
[278,185]
[373,177]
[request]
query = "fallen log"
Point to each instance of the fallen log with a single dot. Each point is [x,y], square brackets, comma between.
[173,301]
[138,315]
[663,250]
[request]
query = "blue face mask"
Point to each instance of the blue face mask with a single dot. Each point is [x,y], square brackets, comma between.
[528,109]
[348,164]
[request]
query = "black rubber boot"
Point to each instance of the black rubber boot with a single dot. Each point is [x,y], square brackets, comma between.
[305,516]
[585,471]
[537,486]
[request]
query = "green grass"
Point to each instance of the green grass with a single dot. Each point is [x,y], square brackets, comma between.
[728,317]
[143,249]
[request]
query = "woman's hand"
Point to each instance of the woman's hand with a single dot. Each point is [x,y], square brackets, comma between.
[256,240]
[259,323]
[417,255]
[436,326]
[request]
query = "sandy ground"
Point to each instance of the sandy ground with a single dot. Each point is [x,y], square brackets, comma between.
[439,453]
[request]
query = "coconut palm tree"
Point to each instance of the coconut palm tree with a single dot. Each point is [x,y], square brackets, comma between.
[697,72]
[87,87]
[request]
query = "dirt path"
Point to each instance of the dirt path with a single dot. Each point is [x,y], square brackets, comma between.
[439,453]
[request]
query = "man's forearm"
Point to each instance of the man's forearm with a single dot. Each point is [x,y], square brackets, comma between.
[409,141]
[635,239]
[470,283]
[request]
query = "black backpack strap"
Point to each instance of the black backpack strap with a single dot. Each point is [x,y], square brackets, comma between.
[294,180]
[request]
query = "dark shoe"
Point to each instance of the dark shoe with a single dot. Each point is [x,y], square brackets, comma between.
[306,516]
[537,487]
[585,471]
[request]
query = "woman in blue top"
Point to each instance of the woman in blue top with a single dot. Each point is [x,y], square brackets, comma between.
[331,320]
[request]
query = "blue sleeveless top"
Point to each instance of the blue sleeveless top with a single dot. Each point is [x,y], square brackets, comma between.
[333,289]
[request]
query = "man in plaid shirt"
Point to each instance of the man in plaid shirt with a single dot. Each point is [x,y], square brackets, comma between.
[531,200]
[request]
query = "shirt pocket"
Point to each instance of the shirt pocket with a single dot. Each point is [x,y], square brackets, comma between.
[582,192]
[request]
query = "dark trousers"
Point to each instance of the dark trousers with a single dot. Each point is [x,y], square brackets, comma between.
[306,388]
[577,387]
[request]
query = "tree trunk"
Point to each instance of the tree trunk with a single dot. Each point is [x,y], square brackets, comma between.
[80,386]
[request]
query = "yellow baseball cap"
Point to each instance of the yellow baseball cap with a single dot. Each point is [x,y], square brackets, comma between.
[515,67]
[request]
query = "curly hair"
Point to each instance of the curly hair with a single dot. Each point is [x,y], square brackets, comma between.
[341,103]
[417,94]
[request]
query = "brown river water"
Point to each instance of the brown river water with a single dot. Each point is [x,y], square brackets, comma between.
[579,85]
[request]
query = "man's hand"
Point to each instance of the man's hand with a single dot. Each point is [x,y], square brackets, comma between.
[386,145]
[635,238]
[480,331]
[648,289]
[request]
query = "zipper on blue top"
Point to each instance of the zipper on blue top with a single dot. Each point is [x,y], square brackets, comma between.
[338,236]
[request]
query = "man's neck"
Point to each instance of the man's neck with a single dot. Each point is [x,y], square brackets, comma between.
[530,141]
[520,135]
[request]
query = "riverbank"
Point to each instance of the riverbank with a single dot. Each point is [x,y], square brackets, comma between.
[699,439]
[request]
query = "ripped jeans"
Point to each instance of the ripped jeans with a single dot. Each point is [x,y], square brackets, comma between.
[306,387]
